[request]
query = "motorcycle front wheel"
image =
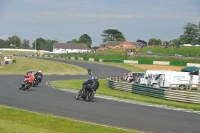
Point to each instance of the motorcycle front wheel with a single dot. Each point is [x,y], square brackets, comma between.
[26,86]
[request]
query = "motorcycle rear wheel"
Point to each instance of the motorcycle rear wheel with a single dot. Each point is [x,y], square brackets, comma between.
[78,95]
[90,96]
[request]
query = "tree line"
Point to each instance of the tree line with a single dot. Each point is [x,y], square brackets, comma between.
[191,35]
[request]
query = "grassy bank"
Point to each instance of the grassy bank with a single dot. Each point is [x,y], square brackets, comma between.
[184,51]
[105,90]
[19,121]
[123,57]
[25,64]
[16,52]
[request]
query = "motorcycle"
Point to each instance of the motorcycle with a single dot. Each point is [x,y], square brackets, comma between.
[36,81]
[89,72]
[27,85]
[85,94]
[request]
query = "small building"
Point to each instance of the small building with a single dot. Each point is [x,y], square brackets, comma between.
[70,48]
[121,44]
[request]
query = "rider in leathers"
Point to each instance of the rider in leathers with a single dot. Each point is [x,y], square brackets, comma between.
[39,74]
[92,83]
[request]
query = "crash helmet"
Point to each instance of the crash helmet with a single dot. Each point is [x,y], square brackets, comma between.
[92,77]
[40,71]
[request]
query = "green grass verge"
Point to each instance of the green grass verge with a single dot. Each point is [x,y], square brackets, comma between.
[105,90]
[24,64]
[185,51]
[179,61]
[18,121]
[16,52]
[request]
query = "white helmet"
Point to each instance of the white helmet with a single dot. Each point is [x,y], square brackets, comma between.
[40,71]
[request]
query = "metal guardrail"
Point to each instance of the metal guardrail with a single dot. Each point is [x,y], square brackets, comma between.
[117,83]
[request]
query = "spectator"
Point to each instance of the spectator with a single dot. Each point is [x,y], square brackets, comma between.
[149,79]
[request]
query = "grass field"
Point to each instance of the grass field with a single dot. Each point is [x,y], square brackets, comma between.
[105,90]
[24,64]
[17,52]
[19,121]
[185,51]
[123,57]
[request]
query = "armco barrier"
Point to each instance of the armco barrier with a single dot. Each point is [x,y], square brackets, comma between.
[7,62]
[175,95]
[127,61]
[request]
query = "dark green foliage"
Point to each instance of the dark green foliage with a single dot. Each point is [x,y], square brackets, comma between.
[116,61]
[85,38]
[86,59]
[146,61]
[180,63]
[112,35]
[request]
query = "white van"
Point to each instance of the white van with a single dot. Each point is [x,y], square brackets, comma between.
[180,79]
[154,74]
[199,77]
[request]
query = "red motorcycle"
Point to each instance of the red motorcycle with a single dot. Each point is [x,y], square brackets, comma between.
[28,81]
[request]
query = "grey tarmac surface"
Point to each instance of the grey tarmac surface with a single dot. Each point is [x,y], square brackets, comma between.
[45,99]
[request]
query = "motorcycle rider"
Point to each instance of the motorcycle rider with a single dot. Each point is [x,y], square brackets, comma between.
[89,71]
[91,83]
[28,77]
[30,72]
[39,75]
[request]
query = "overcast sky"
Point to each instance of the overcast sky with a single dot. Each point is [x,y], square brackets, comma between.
[65,20]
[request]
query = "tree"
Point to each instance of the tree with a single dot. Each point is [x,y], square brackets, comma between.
[152,41]
[95,47]
[191,34]
[158,42]
[14,40]
[25,44]
[166,43]
[49,45]
[142,41]
[112,35]
[2,43]
[40,44]
[85,39]
[176,42]
[73,41]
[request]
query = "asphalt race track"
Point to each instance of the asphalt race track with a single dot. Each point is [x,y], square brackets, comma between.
[45,99]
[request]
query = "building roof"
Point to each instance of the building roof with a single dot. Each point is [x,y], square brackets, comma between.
[111,43]
[139,44]
[70,46]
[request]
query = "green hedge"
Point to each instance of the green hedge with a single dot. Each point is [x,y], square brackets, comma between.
[97,60]
[117,61]
[86,59]
[145,62]
[76,58]
[14,60]
[178,63]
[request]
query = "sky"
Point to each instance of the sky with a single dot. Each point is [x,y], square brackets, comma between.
[65,20]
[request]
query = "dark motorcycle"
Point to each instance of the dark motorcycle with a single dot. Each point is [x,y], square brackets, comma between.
[89,72]
[36,81]
[85,94]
